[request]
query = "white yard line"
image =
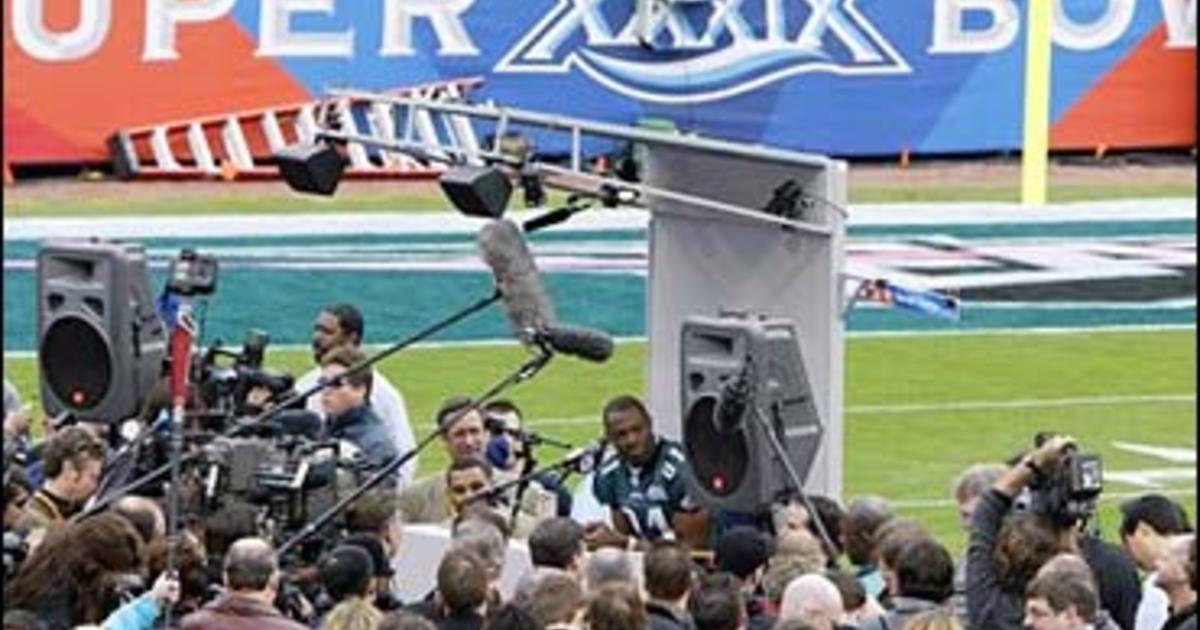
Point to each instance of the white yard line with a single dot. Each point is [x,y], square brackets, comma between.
[865,334]
[975,405]
[890,214]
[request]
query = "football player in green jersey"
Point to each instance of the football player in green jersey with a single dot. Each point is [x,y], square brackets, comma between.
[643,484]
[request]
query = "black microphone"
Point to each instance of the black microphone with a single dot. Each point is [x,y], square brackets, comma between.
[577,341]
[554,217]
[504,250]
[497,426]
[588,457]
[735,396]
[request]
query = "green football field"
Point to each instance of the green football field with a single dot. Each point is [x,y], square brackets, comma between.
[918,408]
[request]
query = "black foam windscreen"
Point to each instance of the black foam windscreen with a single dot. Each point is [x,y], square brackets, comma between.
[311,168]
[477,191]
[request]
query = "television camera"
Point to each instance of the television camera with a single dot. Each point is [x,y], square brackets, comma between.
[1067,492]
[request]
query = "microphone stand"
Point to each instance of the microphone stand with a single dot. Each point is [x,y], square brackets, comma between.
[565,466]
[526,476]
[794,477]
[279,408]
[523,373]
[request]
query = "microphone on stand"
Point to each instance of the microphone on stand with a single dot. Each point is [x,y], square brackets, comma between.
[582,460]
[497,426]
[576,341]
[530,311]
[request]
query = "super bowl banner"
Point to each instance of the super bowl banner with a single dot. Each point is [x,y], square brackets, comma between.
[845,77]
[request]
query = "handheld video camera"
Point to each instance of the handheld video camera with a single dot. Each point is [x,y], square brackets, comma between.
[192,273]
[1068,491]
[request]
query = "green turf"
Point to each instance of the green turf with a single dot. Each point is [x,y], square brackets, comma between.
[908,456]
[286,202]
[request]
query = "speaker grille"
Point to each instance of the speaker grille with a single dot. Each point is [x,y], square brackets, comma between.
[719,459]
[76,363]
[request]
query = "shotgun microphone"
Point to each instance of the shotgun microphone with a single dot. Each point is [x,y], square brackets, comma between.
[504,250]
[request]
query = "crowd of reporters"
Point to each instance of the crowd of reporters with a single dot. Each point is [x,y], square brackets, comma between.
[630,552]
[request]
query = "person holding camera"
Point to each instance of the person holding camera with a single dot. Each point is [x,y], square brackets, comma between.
[1006,550]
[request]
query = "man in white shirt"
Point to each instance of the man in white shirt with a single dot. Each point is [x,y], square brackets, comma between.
[339,324]
[1147,524]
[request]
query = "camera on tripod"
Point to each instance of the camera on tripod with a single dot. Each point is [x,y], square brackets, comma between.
[1067,492]
[227,385]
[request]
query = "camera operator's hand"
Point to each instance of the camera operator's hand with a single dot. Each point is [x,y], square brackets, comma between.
[1048,454]
[165,590]
[1032,464]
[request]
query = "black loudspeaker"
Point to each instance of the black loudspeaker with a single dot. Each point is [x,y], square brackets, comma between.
[311,168]
[477,191]
[737,371]
[101,343]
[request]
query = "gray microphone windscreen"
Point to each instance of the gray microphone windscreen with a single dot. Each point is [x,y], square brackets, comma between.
[503,248]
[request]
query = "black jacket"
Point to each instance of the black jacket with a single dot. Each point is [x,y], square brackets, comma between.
[988,604]
[1183,620]
[1116,577]
[469,621]
[903,609]
[663,617]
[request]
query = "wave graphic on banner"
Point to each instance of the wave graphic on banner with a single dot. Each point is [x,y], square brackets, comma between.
[679,54]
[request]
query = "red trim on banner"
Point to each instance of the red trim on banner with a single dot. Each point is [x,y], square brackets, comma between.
[26,136]
[1147,100]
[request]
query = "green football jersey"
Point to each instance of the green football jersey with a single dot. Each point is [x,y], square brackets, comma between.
[648,496]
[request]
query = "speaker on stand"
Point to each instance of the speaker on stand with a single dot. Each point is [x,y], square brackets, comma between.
[736,373]
[101,344]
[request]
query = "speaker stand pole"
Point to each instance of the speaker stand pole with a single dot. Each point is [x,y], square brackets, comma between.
[793,476]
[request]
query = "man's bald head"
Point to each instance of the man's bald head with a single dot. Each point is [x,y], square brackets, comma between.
[145,514]
[250,565]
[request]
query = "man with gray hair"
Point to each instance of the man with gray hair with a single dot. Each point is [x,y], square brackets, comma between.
[813,598]
[968,486]
[607,565]
[251,583]
[485,540]
[477,531]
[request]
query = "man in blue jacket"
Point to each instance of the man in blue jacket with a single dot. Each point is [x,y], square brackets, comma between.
[350,416]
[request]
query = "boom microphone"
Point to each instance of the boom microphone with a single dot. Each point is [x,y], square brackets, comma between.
[504,250]
[577,341]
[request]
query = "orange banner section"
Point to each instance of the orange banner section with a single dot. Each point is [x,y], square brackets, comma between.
[75,105]
[1118,112]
